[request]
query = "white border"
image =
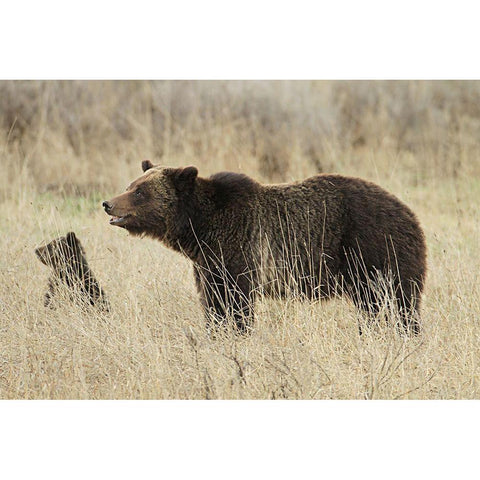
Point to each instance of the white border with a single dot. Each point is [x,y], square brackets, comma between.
[210,40]
[214,39]
[239,439]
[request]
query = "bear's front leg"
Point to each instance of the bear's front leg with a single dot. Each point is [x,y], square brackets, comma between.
[225,298]
[48,297]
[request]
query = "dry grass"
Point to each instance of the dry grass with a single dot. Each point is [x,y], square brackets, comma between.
[65,146]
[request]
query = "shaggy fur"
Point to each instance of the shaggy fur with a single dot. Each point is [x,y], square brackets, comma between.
[66,256]
[327,235]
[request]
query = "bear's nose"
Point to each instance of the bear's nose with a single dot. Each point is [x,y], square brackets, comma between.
[107,206]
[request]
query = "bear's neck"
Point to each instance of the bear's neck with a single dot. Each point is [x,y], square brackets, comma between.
[194,223]
[187,240]
[217,213]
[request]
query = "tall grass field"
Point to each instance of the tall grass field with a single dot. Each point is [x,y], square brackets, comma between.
[65,146]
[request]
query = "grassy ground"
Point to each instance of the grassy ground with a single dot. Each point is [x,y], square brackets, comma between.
[418,140]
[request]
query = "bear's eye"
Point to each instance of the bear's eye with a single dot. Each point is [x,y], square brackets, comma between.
[138,193]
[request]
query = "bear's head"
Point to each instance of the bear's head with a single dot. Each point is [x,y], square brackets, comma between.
[150,204]
[62,253]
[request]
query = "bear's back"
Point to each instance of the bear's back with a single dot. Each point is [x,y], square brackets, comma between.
[325,217]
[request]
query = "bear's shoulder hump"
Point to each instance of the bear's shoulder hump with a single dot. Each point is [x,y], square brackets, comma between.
[230,186]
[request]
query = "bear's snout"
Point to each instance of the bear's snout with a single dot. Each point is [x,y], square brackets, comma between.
[107,206]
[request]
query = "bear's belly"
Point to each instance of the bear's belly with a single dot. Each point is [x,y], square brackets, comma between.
[282,273]
[283,277]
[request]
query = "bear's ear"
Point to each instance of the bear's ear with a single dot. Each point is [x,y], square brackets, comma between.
[74,243]
[41,253]
[184,178]
[72,239]
[147,165]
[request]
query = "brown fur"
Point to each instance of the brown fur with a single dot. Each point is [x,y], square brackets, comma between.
[66,256]
[323,236]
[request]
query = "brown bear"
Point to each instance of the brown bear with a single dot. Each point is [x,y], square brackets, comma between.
[324,236]
[66,256]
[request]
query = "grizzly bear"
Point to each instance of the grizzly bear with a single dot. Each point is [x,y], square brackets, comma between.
[66,256]
[324,236]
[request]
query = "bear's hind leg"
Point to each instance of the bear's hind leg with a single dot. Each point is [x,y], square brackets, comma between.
[409,310]
[366,301]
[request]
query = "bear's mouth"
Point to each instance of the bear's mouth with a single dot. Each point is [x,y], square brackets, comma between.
[119,221]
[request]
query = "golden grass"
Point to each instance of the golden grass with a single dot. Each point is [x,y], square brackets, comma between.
[153,344]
